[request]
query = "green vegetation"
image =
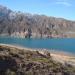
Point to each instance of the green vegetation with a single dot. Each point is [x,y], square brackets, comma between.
[9,72]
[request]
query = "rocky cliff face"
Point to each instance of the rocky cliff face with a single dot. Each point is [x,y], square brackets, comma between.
[15,61]
[27,25]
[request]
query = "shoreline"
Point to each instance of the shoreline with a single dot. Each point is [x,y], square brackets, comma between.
[40,49]
[60,56]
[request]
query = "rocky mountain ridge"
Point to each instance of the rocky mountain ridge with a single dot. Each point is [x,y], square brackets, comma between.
[26,25]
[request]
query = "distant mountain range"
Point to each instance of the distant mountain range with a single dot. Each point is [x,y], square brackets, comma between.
[26,25]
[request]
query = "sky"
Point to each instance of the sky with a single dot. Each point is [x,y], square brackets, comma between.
[56,8]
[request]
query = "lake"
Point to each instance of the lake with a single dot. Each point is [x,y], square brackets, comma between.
[62,44]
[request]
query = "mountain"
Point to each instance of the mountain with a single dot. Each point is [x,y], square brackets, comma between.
[26,25]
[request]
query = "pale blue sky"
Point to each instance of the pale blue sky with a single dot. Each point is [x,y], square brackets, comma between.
[57,8]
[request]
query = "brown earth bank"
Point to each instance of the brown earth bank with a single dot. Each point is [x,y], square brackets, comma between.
[23,61]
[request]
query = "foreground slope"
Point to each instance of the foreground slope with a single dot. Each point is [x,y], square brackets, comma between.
[17,61]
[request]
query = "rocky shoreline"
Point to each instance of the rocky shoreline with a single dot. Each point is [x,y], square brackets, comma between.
[33,35]
[16,60]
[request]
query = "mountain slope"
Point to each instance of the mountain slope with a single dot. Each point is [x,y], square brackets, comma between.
[26,25]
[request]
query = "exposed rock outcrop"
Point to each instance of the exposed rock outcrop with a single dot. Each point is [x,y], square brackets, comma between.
[24,25]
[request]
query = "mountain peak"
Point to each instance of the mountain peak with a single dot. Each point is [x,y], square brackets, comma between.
[4,10]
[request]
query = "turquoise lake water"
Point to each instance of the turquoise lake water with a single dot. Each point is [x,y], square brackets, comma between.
[65,44]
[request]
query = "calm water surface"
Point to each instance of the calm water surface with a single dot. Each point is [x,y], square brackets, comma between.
[66,44]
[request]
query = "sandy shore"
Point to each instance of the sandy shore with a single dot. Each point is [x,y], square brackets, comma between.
[56,56]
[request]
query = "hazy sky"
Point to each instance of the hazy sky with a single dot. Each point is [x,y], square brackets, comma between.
[57,8]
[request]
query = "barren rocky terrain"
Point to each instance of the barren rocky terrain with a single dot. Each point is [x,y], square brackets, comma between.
[17,61]
[26,25]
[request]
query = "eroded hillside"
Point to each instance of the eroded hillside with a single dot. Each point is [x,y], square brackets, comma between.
[26,25]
